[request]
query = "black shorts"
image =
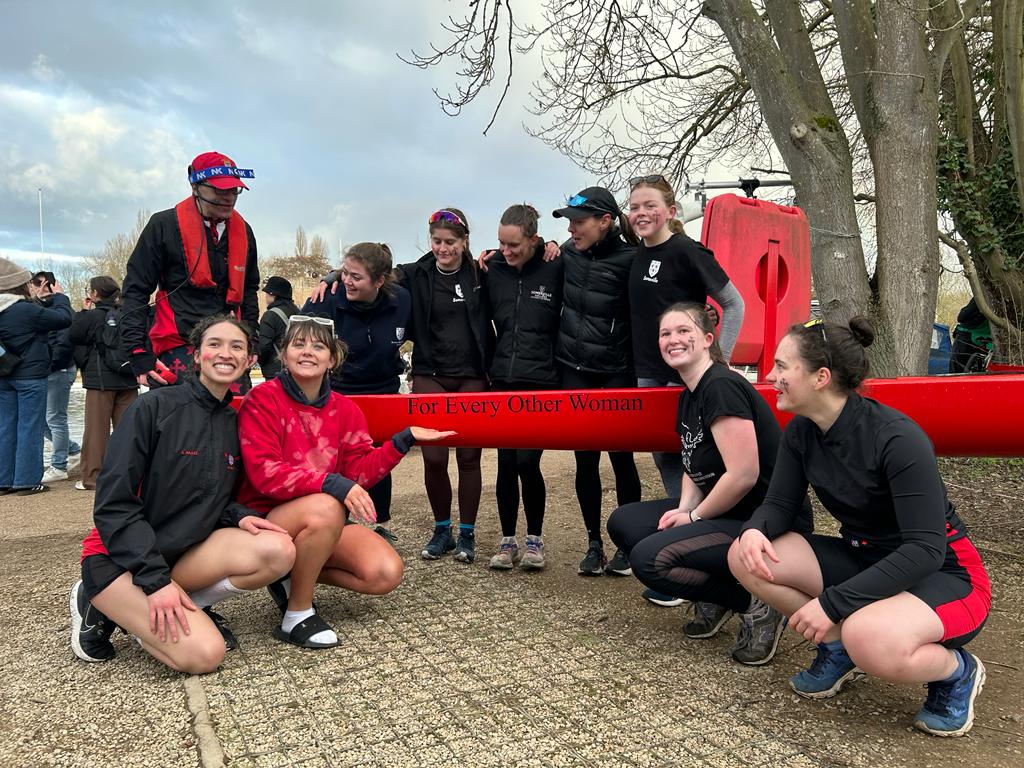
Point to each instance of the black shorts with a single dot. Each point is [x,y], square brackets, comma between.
[99,572]
[959,592]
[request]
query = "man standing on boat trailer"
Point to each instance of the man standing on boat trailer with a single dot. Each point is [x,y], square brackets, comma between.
[200,258]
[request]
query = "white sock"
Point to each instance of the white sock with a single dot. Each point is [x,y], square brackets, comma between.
[291,618]
[213,594]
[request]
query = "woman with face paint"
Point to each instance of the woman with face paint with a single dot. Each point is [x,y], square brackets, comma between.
[901,590]
[371,315]
[310,461]
[525,296]
[593,346]
[168,541]
[453,341]
[670,268]
[678,546]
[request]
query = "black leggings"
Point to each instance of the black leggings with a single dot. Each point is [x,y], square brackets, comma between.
[380,494]
[688,561]
[435,458]
[588,463]
[515,466]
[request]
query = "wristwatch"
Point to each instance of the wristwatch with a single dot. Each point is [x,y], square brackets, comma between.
[694,517]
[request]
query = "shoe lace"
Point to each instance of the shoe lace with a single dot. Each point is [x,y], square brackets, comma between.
[822,659]
[533,547]
[938,696]
[508,547]
[746,629]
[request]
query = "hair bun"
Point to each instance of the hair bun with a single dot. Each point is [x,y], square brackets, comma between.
[863,330]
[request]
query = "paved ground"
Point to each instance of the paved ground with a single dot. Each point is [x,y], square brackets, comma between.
[459,666]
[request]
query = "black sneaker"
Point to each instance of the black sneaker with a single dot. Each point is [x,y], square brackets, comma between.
[618,565]
[90,629]
[230,641]
[465,549]
[440,544]
[594,561]
[708,618]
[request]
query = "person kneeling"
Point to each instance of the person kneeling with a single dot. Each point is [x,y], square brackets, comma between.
[168,542]
[729,437]
[902,589]
[310,461]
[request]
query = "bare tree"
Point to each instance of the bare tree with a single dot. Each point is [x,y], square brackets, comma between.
[310,259]
[112,259]
[672,84]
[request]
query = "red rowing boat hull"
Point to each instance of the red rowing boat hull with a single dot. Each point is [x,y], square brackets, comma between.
[963,415]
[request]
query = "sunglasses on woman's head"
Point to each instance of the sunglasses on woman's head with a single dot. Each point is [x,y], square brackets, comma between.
[444,215]
[311,319]
[820,324]
[652,179]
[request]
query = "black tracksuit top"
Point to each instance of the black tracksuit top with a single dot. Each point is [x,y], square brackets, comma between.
[526,307]
[167,480]
[875,472]
[85,332]
[418,279]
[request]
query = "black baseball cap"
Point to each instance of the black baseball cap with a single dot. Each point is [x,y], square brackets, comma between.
[592,201]
[279,287]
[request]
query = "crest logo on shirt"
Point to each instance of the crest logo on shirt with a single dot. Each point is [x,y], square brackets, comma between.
[652,270]
[541,294]
[458,291]
[230,460]
[399,333]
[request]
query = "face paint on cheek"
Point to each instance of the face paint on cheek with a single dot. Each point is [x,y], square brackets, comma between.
[692,345]
[784,385]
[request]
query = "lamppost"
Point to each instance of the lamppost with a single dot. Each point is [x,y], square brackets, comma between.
[41,252]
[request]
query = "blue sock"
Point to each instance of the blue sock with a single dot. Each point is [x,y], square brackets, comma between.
[958,672]
[441,525]
[833,646]
[468,530]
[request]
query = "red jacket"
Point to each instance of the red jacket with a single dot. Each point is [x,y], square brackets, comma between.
[289,448]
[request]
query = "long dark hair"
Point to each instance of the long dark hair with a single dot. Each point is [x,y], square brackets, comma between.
[106,288]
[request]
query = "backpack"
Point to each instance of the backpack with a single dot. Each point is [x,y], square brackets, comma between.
[8,361]
[108,342]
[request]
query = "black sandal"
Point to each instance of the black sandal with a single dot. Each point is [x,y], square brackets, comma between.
[304,630]
[277,592]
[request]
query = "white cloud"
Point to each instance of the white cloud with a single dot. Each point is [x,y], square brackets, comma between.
[360,59]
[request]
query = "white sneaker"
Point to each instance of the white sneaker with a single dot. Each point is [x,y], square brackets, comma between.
[80,486]
[54,475]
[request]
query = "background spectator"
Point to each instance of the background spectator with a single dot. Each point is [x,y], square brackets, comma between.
[274,323]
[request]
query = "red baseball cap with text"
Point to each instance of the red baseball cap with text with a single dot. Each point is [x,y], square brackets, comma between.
[218,171]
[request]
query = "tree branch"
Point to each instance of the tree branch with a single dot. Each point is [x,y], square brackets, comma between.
[963,254]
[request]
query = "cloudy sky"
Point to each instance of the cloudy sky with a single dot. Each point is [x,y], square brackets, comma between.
[104,104]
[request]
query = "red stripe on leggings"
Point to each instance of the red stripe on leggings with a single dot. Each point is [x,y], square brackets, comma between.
[963,616]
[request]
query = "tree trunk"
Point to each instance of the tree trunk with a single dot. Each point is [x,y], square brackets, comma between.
[902,136]
[816,153]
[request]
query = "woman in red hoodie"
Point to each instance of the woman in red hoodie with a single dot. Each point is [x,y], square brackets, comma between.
[309,460]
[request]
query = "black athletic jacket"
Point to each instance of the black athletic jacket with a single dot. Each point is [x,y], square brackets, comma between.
[594,334]
[418,279]
[526,306]
[875,472]
[158,262]
[272,330]
[167,479]
[84,333]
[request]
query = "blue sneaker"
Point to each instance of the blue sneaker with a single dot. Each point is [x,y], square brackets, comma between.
[665,601]
[440,544]
[829,672]
[949,708]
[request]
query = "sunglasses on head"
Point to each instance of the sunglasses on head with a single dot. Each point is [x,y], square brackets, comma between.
[820,324]
[310,319]
[652,179]
[448,216]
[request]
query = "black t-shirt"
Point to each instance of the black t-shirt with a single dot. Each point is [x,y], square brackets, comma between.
[680,269]
[451,338]
[875,472]
[723,392]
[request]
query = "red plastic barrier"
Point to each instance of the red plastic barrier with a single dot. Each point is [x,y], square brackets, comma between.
[963,415]
[766,251]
